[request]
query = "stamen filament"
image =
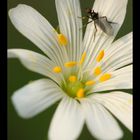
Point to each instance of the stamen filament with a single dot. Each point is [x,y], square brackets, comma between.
[82,58]
[80,74]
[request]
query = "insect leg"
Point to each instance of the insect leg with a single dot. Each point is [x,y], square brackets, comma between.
[95,30]
[85,17]
[108,21]
[89,22]
[82,18]
[86,24]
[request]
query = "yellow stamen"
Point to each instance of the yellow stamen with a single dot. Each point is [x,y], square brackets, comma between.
[72,78]
[80,93]
[62,39]
[57,69]
[100,56]
[70,64]
[97,71]
[105,77]
[90,83]
[82,58]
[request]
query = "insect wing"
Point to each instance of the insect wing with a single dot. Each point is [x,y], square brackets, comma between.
[105,26]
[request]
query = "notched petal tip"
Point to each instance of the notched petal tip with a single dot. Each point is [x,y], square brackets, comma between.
[10,53]
[12,10]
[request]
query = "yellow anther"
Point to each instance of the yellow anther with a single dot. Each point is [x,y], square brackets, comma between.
[105,77]
[62,39]
[82,58]
[100,56]
[70,64]
[90,83]
[72,78]
[97,71]
[57,69]
[80,93]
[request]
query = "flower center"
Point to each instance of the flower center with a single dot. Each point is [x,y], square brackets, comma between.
[74,87]
[79,84]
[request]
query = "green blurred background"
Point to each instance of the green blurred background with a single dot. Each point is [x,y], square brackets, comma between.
[37,127]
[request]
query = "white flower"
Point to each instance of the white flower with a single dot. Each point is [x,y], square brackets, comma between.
[78,70]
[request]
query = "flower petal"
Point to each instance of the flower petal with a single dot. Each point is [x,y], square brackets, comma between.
[118,54]
[100,122]
[115,11]
[36,97]
[37,29]
[68,12]
[121,79]
[67,122]
[35,62]
[120,104]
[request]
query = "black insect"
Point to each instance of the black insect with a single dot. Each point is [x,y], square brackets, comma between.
[101,22]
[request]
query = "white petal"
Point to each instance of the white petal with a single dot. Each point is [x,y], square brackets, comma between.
[120,104]
[35,62]
[118,54]
[68,12]
[67,122]
[36,97]
[115,11]
[37,29]
[100,122]
[121,79]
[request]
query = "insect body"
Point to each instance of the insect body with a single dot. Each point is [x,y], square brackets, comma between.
[101,22]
